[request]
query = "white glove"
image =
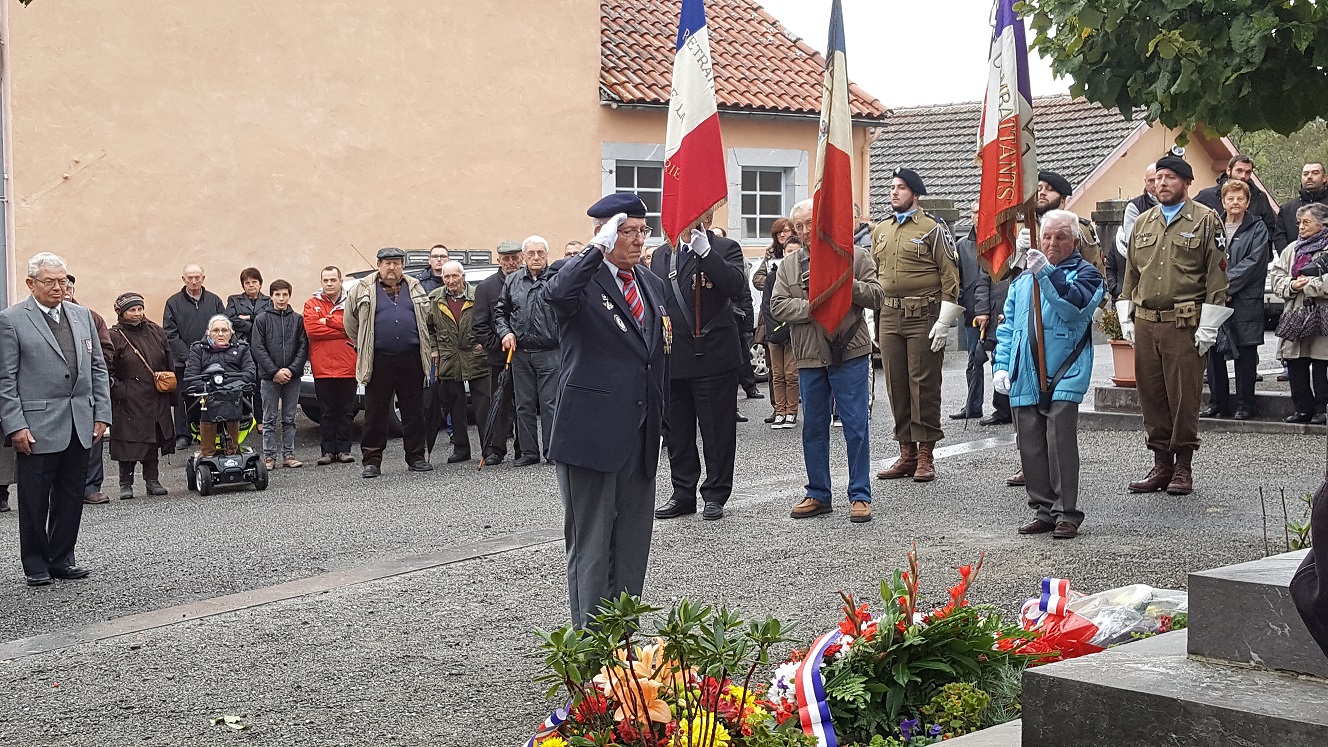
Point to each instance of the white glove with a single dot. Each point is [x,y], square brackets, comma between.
[1210,319]
[1001,380]
[1097,315]
[1036,260]
[700,244]
[607,238]
[1024,241]
[949,313]
[1123,311]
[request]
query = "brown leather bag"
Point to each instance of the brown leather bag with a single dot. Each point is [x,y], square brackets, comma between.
[164,381]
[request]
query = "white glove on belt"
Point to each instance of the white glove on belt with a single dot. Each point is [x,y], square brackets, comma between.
[949,313]
[1001,380]
[1123,311]
[1209,320]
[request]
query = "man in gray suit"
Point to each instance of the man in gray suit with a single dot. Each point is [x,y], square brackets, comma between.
[55,403]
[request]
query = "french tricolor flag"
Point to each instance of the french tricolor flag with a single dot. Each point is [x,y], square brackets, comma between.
[830,288]
[694,178]
[1005,144]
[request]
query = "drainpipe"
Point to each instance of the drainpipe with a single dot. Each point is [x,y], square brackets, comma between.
[6,164]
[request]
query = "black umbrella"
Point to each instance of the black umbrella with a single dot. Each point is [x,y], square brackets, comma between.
[496,407]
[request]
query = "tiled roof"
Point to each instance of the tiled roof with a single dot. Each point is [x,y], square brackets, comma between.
[759,65]
[1074,136]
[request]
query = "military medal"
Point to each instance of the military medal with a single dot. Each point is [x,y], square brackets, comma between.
[607,303]
[668,331]
[621,324]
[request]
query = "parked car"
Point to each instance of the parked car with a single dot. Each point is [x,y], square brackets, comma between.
[309,403]
[1272,304]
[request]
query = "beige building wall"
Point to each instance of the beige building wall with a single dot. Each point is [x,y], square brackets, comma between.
[1121,175]
[281,134]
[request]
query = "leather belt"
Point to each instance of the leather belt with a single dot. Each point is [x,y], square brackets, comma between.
[1183,314]
[895,302]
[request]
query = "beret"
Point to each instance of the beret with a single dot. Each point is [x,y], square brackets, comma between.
[618,202]
[127,301]
[391,252]
[1056,182]
[912,179]
[1177,165]
[509,247]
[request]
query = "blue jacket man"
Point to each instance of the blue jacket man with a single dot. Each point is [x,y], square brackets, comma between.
[611,405]
[1070,289]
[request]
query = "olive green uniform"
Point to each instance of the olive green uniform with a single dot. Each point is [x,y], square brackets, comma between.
[918,267]
[1090,248]
[1171,271]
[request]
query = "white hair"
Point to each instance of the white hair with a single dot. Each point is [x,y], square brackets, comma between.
[536,239]
[805,205]
[1063,218]
[45,260]
[452,262]
[221,318]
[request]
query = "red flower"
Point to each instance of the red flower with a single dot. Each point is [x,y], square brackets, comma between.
[590,707]
[965,571]
[832,649]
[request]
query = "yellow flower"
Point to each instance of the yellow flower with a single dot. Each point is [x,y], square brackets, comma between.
[553,741]
[702,726]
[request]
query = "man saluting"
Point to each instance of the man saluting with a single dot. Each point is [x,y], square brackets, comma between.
[610,418]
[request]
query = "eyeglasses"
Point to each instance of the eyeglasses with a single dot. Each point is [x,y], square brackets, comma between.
[632,233]
[438,256]
[50,282]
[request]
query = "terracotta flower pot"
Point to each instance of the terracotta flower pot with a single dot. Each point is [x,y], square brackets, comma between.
[1122,357]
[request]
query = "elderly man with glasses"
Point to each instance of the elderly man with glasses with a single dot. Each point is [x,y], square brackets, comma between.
[526,324]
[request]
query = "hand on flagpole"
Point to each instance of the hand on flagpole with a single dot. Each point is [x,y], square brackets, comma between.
[700,244]
[1036,260]
[607,238]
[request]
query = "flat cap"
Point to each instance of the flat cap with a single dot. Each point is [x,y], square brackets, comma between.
[912,179]
[1177,165]
[391,252]
[1056,182]
[618,202]
[509,247]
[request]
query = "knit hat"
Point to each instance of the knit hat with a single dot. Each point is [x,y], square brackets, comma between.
[127,301]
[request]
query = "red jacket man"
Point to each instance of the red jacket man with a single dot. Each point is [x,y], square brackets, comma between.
[332,358]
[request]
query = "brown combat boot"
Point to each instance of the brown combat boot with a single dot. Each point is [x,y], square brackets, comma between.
[1182,478]
[926,471]
[904,466]
[1158,477]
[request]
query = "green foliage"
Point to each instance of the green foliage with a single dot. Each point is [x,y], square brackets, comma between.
[1003,685]
[1279,159]
[1110,325]
[1253,64]
[958,708]
[1299,529]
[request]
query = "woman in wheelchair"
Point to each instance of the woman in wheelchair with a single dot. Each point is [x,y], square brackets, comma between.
[221,348]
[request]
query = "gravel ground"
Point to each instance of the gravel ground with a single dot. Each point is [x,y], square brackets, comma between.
[444,656]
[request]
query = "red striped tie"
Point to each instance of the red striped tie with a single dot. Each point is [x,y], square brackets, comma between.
[632,297]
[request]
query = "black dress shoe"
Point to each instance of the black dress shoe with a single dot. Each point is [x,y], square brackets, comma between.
[994,419]
[181,444]
[1319,419]
[964,415]
[39,579]
[742,418]
[712,511]
[1037,526]
[1300,417]
[674,509]
[1065,530]
[526,461]
[71,573]
[4,505]
[420,466]
[370,470]
[1242,415]
[458,457]
[1208,412]
[493,459]
[755,393]
[771,418]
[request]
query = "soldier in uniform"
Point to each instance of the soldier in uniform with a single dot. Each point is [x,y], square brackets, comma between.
[703,374]
[1176,290]
[918,268]
[1053,191]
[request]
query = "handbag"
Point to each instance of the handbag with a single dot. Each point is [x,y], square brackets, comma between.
[1302,323]
[164,381]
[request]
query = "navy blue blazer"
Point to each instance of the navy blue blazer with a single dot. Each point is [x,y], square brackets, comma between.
[612,388]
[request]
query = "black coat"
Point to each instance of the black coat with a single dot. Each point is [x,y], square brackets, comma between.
[1260,205]
[726,282]
[241,304]
[141,413]
[521,311]
[279,342]
[234,359]
[612,394]
[1287,229]
[487,292]
[1309,585]
[974,282]
[1248,255]
[186,321]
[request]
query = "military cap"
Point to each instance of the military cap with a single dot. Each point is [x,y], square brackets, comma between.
[912,179]
[391,252]
[618,202]
[1056,182]
[1177,165]
[509,247]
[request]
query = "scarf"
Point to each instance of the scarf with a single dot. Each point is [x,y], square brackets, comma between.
[1307,248]
[216,346]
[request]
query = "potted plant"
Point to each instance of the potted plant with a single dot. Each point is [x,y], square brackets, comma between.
[1122,352]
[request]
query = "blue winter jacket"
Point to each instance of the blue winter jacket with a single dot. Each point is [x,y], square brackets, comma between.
[1071,291]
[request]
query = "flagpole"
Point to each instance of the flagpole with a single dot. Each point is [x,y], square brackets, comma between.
[1039,339]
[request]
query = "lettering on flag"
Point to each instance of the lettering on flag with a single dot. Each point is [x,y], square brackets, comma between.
[694,167]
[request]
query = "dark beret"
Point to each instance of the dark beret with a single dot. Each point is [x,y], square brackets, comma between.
[1056,182]
[912,179]
[618,202]
[1177,165]
[509,247]
[391,252]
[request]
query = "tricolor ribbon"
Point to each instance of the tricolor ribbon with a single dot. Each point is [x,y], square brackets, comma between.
[1055,600]
[813,710]
[551,724]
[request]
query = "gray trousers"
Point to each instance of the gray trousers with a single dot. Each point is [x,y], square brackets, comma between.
[535,381]
[1049,453]
[279,400]
[607,522]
